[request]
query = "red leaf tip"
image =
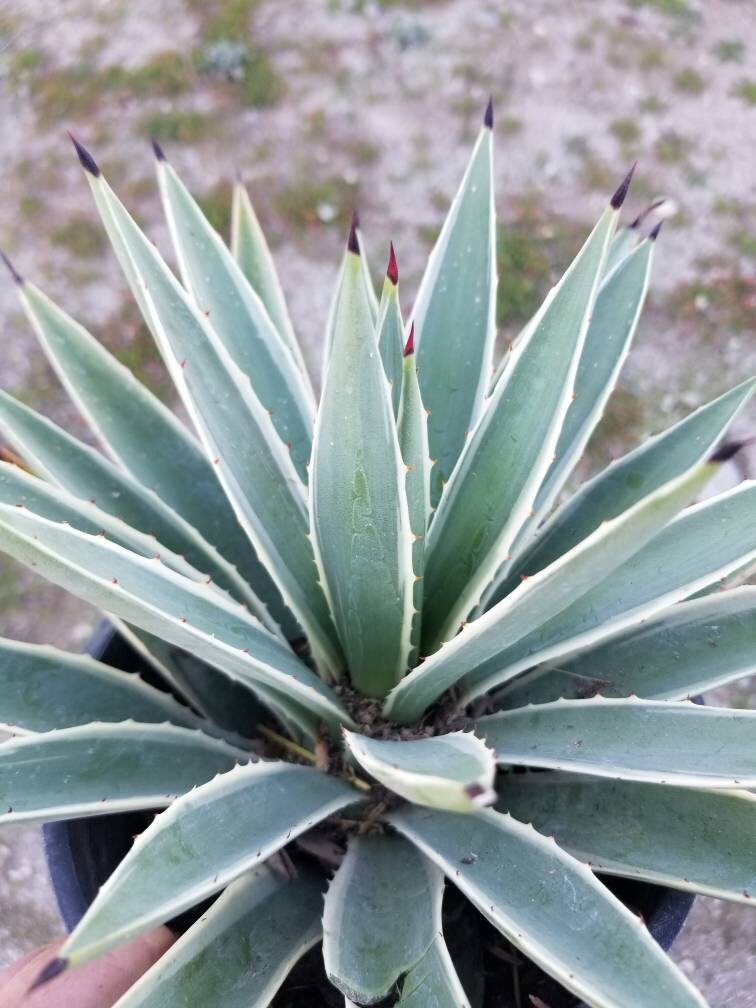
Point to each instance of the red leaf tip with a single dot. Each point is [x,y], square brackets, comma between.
[409,346]
[392,270]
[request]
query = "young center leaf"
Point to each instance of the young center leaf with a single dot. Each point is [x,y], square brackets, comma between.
[358,503]
[412,428]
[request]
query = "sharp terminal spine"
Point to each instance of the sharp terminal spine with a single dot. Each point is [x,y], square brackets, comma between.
[54,968]
[644,213]
[17,278]
[488,117]
[655,233]
[730,449]
[619,196]
[353,244]
[157,150]
[86,160]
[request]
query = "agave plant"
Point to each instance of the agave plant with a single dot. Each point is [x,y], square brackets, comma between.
[386,671]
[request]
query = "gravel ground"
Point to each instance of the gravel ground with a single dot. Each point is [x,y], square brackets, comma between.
[326,104]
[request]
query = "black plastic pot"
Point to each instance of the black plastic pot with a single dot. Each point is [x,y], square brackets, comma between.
[82,853]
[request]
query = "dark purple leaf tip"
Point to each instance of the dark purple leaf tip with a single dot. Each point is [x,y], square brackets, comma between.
[488,114]
[54,968]
[352,244]
[619,197]
[157,150]
[88,163]
[655,233]
[649,209]
[409,346]
[392,270]
[17,278]
[730,449]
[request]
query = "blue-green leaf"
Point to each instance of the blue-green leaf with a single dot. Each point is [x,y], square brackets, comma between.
[88,475]
[704,543]
[493,486]
[474,654]
[626,481]
[147,440]
[610,332]
[238,316]
[454,314]
[193,615]
[701,841]
[43,688]
[99,769]
[686,650]
[205,840]
[241,950]
[250,249]
[433,982]
[660,741]
[248,457]
[382,913]
[551,907]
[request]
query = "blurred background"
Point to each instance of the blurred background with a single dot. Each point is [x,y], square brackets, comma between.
[328,105]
